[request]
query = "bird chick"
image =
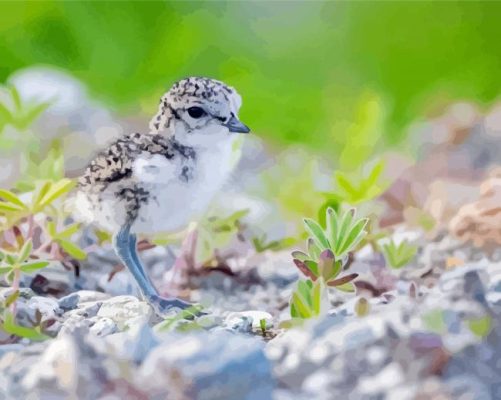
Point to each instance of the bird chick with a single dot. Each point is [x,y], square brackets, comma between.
[162,180]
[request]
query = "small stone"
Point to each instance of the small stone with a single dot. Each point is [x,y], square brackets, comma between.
[124,310]
[134,344]
[69,302]
[102,326]
[247,321]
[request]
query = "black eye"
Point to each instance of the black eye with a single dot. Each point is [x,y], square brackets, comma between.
[196,112]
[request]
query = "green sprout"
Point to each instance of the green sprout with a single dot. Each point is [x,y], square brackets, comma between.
[262,325]
[399,255]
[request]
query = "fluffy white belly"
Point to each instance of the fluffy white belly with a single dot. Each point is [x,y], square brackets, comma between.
[174,204]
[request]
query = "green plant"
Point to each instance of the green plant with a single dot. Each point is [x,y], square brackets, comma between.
[13,208]
[307,299]
[328,249]
[34,229]
[353,190]
[12,264]
[182,322]
[398,255]
[261,243]
[18,114]
[32,333]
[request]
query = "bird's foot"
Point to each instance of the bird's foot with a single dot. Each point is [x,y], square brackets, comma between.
[164,306]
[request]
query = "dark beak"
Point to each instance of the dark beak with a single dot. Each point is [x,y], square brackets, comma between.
[234,125]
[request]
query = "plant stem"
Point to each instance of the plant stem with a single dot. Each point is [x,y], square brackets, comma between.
[15,287]
[31,226]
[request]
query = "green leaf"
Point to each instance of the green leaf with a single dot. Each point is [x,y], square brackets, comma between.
[398,256]
[4,270]
[12,198]
[56,190]
[10,276]
[354,236]
[301,306]
[25,251]
[9,207]
[300,255]
[33,266]
[69,231]
[345,184]
[10,259]
[16,98]
[72,249]
[41,192]
[12,298]
[347,287]
[317,233]
[332,226]
[11,327]
[344,227]
[304,289]
[481,326]
[316,296]
[374,175]
[313,250]
[51,229]
[31,115]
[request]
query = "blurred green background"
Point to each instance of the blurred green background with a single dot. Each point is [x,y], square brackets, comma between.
[344,78]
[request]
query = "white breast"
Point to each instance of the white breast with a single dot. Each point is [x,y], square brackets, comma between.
[174,202]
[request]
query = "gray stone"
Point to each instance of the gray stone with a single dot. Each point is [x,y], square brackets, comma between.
[248,321]
[125,311]
[134,344]
[102,326]
[69,302]
[206,366]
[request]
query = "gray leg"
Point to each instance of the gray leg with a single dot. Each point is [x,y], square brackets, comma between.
[125,247]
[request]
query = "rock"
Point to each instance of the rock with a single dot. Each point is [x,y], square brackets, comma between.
[480,221]
[102,326]
[68,368]
[125,311]
[134,344]
[248,321]
[54,280]
[208,366]
[45,307]
[69,302]
[476,369]
[24,293]
[276,267]
[453,282]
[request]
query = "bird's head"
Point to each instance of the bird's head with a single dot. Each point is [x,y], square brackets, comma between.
[199,112]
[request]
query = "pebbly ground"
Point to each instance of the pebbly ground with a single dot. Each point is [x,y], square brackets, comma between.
[437,338]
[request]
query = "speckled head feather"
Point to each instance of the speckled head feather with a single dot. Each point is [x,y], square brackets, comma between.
[218,101]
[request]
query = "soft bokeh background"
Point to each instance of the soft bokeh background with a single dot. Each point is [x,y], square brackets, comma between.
[308,71]
[341,83]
